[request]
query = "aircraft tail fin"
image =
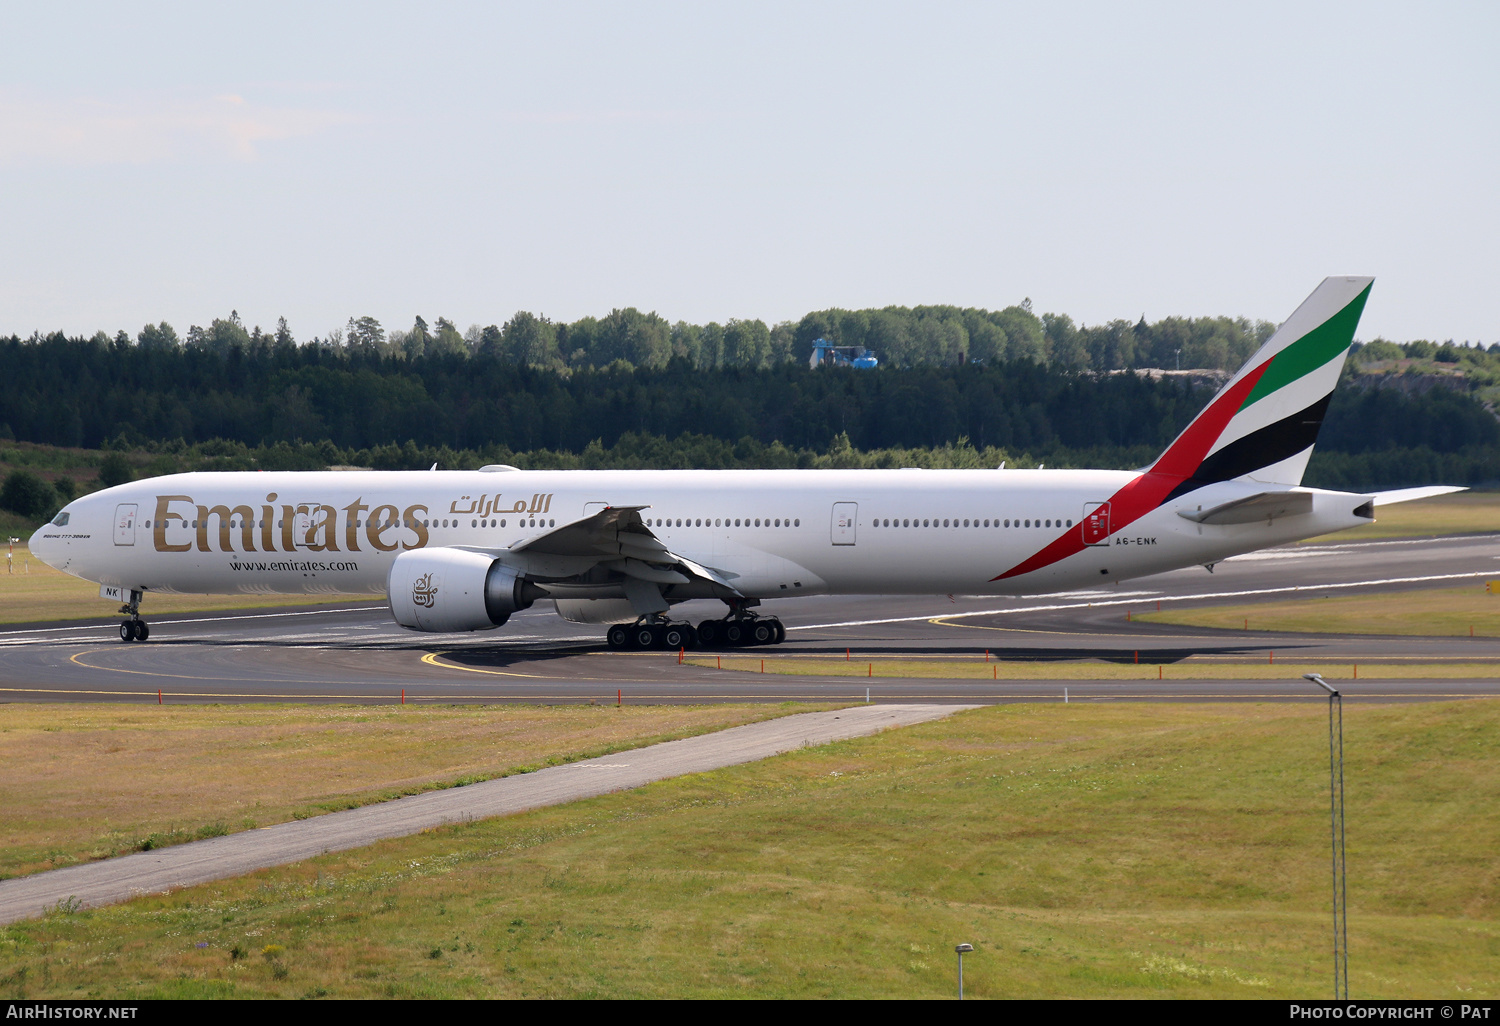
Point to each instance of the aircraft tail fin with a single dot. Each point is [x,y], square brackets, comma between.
[1262,424]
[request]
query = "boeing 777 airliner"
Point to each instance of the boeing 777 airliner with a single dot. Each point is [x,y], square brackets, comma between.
[463,550]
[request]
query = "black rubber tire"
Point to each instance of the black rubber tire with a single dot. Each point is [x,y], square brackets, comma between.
[734,634]
[762,633]
[780,632]
[618,636]
[645,637]
[127,630]
[142,632]
[677,636]
[711,633]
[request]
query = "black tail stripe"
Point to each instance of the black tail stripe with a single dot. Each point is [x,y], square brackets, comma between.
[1271,444]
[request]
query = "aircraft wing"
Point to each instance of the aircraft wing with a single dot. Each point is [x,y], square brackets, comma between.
[615,539]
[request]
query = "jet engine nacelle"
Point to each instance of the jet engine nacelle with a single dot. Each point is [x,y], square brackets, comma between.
[445,589]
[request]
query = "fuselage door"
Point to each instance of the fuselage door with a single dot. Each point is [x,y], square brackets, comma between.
[1096,523]
[307,524]
[125,523]
[845,517]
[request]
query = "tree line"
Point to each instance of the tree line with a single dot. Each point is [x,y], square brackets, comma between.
[73,393]
[264,401]
[900,336]
[78,393]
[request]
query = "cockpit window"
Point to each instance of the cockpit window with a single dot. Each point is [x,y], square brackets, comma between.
[61,520]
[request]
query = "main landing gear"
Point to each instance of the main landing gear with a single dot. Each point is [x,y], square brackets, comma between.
[730,632]
[643,634]
[733,632]
[742,627]
[133,629]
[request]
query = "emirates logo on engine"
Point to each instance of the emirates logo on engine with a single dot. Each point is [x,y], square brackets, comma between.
[424,592]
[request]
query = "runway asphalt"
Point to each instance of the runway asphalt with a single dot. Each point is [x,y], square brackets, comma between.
[356,653]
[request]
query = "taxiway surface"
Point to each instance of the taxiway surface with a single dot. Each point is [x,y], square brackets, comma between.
[356,653]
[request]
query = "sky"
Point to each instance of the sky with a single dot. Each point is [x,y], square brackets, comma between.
[714,160]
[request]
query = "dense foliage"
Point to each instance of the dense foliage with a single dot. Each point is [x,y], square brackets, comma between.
[75,393]
[900,336]
[263,401]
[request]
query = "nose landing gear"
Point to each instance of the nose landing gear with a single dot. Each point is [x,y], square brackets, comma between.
[134,629]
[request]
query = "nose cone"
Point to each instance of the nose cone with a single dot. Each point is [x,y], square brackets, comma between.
[47,549]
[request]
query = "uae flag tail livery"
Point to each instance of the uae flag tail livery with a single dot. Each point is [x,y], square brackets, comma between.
[1243,457]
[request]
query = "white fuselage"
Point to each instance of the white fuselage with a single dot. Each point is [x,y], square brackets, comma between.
[774,532]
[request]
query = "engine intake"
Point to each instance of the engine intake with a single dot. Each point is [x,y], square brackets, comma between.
[444,589]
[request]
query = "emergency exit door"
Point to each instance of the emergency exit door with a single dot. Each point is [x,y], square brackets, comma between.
[845,519]
[1096,523]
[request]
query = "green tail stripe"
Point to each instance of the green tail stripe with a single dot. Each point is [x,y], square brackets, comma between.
[1311,351]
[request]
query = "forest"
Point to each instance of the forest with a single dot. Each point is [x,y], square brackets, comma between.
[900,336]
[1050,392]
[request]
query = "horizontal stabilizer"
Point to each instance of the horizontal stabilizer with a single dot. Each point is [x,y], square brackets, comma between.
[1410,494]
[1253,508]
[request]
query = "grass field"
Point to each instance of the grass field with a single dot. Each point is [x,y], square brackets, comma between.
[89,781]
[1459,513]
[1192,668]
[32,592]
[1086,851]
[1451,612]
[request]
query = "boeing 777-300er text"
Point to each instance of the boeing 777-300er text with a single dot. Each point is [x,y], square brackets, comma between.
[463,550]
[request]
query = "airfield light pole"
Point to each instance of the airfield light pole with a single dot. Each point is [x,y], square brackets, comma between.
[1336,837]
[961,949]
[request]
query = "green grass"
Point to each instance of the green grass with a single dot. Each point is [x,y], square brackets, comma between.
[1086,851]
[1452,612]
[85,782]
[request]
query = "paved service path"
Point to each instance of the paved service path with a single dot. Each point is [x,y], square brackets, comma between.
[151,872]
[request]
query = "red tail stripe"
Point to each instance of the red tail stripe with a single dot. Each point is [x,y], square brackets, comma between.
[1147,492]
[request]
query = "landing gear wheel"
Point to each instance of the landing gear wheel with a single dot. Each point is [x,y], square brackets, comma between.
[711,633]
[762,633]
[618,636]
[127,630]
[142,632]
[645,636]
[780,632]
[734,634]
[679,636]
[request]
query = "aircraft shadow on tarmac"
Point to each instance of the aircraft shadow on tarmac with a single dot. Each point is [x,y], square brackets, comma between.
[500,658]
